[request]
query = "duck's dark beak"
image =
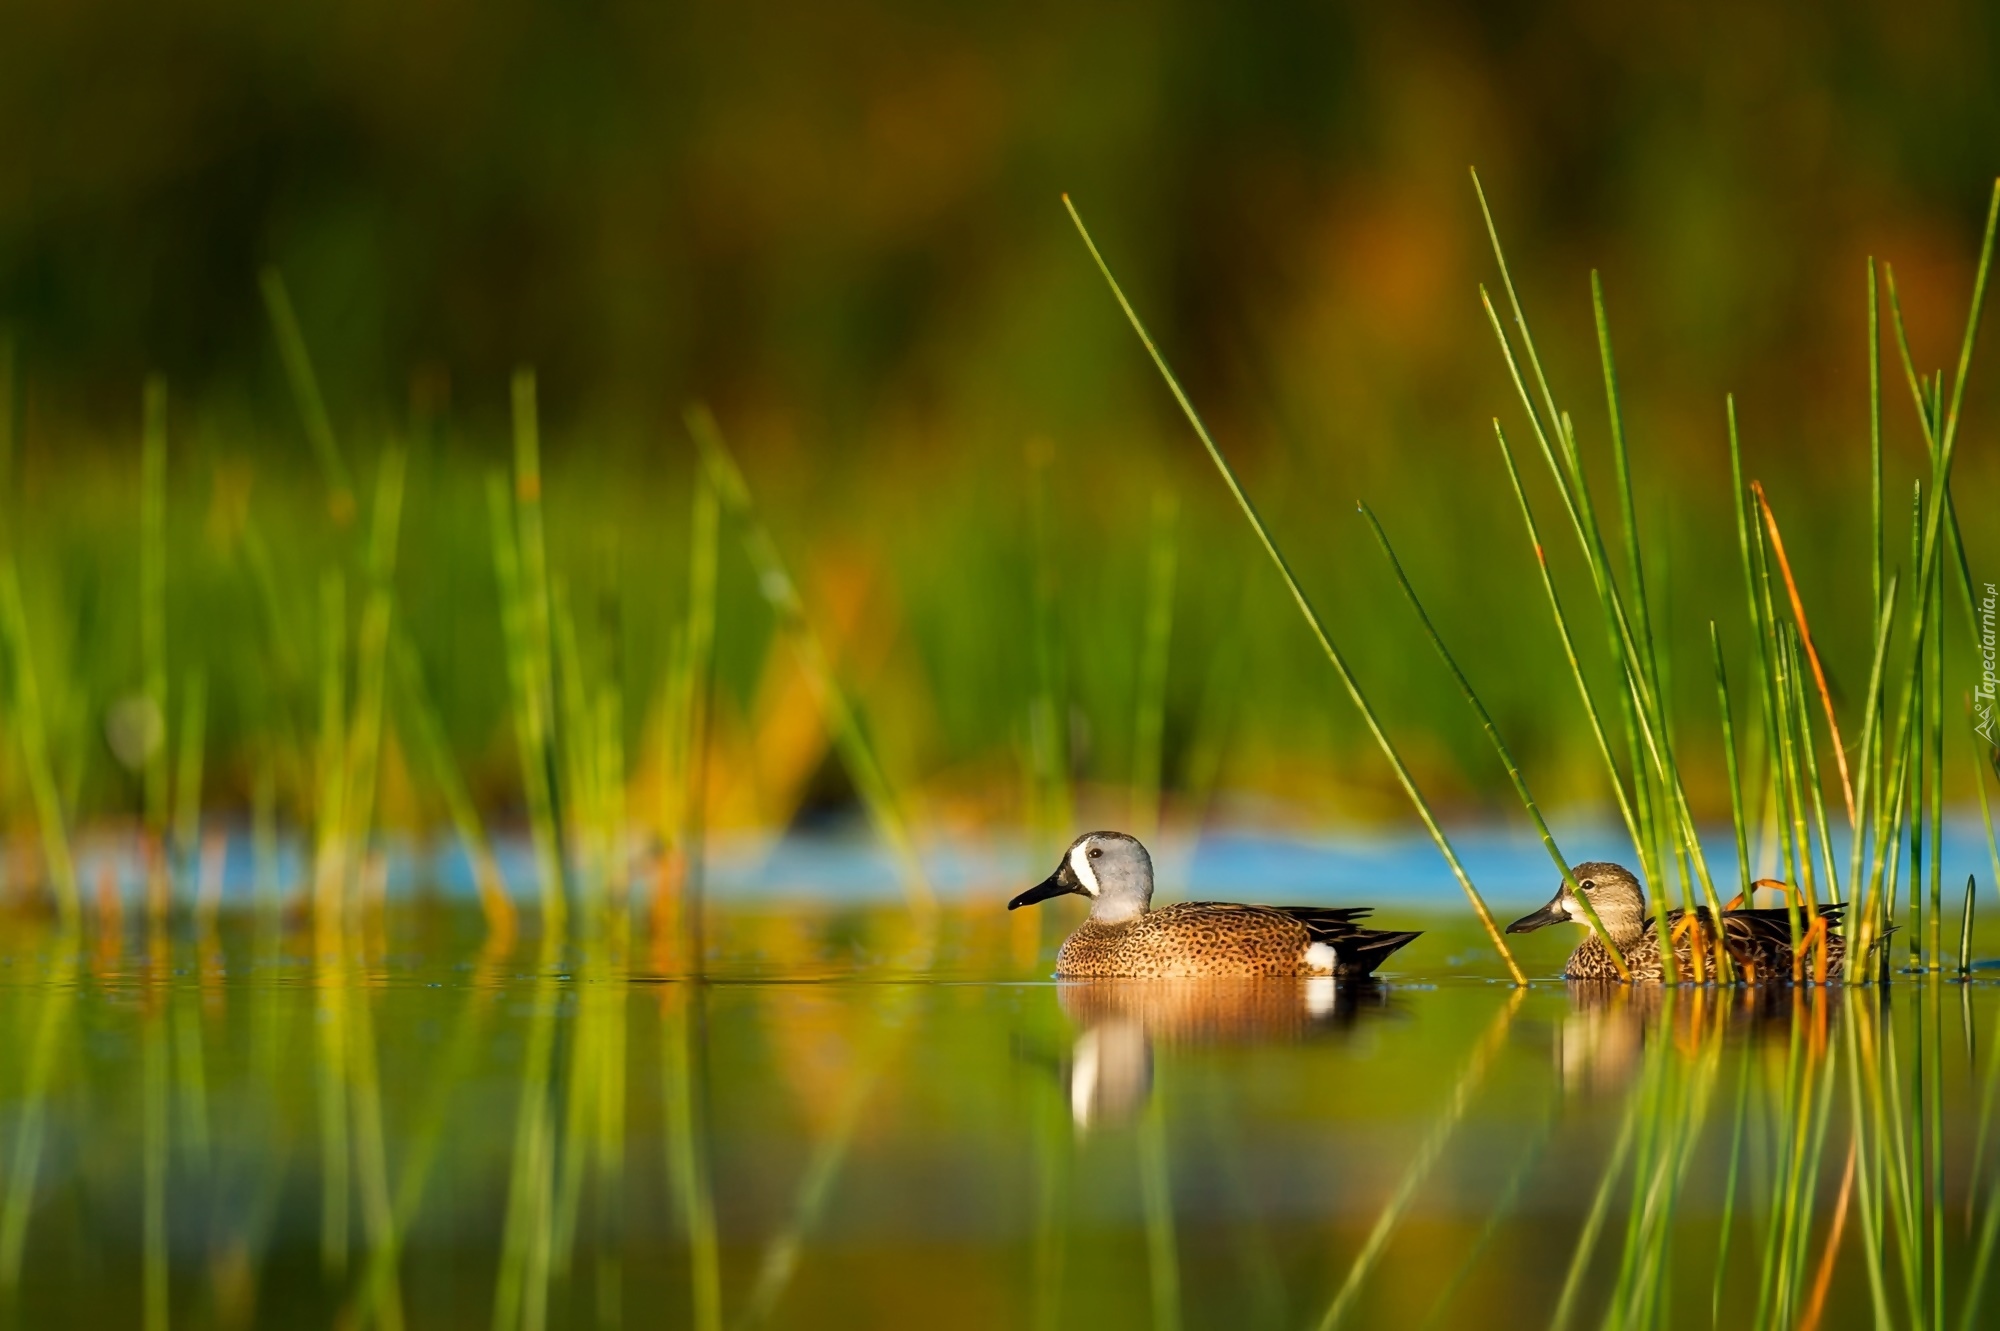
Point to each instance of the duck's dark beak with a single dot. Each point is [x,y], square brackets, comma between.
[1553,913]
[1060,883]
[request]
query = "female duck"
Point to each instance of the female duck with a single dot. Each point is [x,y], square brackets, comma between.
[1758,941]
[1125,938]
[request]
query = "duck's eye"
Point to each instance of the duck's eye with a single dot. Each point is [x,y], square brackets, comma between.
[1095,852]
[1587,884]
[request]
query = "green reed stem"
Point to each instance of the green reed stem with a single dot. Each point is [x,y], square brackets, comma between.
[1736,819]
[1156,1189]
[1802,710]
[1470,1076]
[306,395]
[1501,1212]
[1918,684]
[31,724]
[1155,657]
[520,1297]
[687,1144]
[153,598]
[378,1216]
[1647,710]
[1050,795]
[1593,1221]
[1874,449]
[1931,1118]
[154,1132]
[188,772]
[830,1154]
[697,686]
[1622,470]
[329,867]
[1965,927]
[531,710]
[1983,758]
[1499,747]
[1867,1165]
[842,713]
[371,652]
[537,647]
[424,731]
[53,1032]
[1729,1188]
[1305,606]
[1868,794]
[1935,943]
[1632,826]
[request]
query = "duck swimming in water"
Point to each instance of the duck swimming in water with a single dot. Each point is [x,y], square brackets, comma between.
[1124,938]
[1758,941]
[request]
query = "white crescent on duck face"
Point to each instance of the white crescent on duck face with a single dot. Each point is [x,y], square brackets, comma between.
[1758,941]
[1124,938]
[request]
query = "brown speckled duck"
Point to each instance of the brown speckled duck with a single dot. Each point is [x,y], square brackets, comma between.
[1124,938]
[1759,941]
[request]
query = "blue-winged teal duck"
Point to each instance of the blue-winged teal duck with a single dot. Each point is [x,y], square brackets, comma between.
[1125,939]
[1758,941]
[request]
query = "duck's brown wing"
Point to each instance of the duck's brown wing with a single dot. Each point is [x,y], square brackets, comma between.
[1758,935]
[1359,949]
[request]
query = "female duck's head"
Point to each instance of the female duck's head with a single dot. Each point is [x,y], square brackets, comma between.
[1110,868]
[1614,894]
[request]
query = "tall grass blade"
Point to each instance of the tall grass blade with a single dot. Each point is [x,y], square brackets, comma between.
[1157,1193]
[305,393]
[843,717]
[678,913]
[1812,652]
[1304,604]
[1499,747]
[31,725]
[1625,810]
[1155,656]
[153,631]
[423,729]
[1472,1073]
[531,708]
[687,1144]
[1737,820]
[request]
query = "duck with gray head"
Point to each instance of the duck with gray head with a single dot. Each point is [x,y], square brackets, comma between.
[1124,938]
[1758,941]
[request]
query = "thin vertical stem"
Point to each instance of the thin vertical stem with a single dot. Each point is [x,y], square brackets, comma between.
[1305,606]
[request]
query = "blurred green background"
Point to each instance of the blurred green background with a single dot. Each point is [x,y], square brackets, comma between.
[840,226]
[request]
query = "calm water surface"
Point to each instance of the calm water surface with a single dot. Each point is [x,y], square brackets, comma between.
[855,1122]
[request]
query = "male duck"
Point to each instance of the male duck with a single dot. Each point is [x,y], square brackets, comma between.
[1124,938]
[1758,941]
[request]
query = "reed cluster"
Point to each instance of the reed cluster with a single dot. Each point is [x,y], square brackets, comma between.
[1890,782]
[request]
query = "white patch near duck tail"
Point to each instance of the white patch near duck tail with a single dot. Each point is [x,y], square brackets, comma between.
[1079,863]
[1321,992]
[1321,959]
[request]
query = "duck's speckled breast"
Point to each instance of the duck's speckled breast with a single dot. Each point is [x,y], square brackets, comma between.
[1186,942]
[1764,960]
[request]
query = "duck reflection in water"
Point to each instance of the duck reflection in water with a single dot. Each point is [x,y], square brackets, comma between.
[1108,1075]
[1600,1044]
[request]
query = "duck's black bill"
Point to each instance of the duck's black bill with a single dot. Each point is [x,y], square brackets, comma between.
[1052,886]
[1553,913]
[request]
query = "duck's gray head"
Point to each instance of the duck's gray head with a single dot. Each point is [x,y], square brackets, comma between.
[1614,894]
[1110,868]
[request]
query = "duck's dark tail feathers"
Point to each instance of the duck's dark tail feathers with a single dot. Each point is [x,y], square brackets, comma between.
[1362,950]
[1357,950]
